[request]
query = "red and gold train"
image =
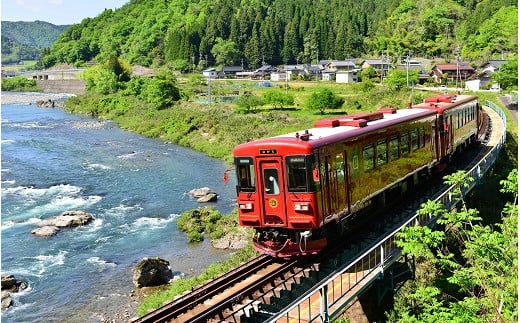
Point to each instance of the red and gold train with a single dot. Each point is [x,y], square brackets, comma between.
[300,190]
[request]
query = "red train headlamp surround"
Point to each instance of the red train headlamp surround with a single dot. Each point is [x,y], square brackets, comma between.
[245,206]
[305,206]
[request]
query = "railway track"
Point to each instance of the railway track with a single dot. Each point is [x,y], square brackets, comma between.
[259,288]
[233,294]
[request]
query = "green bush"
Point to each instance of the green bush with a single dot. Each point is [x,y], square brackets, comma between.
[199,221]
[19,83]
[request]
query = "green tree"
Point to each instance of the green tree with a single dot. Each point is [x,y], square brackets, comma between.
[324,99]
[162,90]
[225,52]
[248,102]
[101,80]
[119,67]
[472,268]
[507,76]
[368,73]
[278,98]
[399,79]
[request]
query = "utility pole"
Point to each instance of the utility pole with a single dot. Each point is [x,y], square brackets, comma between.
[407,68]
[457,52]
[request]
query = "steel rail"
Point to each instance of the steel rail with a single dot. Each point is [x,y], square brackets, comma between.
[199,295]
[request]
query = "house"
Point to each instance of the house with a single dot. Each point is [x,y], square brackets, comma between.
[210,73]
[230,71]
[307,71]
[336,66]
[492,65]
[381,66]
[287,73]
[346,68]
[455,72]
[351,76]
[487,70]
[472,85]
[264,71]
[312,71]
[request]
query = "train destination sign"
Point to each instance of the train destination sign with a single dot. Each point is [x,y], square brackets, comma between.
[268,151]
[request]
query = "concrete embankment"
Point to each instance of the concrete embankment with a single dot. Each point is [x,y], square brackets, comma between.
[62,86]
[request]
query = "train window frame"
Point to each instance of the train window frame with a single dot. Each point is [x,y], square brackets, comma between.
[305,175]
[381,152]
[245,172]
[422,137]
[404,145]
[369,159]
[271,181]
[414,136]
[393,151]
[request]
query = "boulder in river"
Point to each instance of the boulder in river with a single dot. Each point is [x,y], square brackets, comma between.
[10,285]
[204,194]
[152,272]
[72,218]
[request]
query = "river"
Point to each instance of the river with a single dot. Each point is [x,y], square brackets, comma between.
[134,187]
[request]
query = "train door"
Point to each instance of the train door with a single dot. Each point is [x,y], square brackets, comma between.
[273,191]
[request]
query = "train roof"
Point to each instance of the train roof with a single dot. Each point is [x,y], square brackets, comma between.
[347,127]
[342,128]
[445,102]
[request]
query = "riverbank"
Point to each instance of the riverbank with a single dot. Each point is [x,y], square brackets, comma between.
[31,97]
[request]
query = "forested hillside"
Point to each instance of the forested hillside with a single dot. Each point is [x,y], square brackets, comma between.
[23,40]
[254,32]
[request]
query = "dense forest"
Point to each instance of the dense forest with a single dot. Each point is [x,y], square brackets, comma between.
[256,32]
[22,40]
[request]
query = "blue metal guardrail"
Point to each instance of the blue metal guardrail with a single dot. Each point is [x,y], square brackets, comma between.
[328,299]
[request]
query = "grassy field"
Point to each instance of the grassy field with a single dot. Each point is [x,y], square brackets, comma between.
[17,68]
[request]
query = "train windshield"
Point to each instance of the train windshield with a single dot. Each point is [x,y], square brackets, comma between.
[245,174]
[298,174]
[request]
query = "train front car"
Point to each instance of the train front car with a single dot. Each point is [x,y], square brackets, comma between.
[276,195]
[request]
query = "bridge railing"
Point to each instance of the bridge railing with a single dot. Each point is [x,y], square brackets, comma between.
[328,299]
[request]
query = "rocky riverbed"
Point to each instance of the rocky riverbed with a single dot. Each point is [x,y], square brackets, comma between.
[32,97]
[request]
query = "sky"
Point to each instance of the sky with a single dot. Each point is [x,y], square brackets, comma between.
[57,12]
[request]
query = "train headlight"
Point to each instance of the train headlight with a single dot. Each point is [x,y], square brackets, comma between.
[301,206]
[245,206]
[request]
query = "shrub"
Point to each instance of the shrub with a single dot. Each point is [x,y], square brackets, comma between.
[19,83]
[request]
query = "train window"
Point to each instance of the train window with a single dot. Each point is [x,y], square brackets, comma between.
[245,174]
[382,157]
[368,157]
[421,137]
[355,161]
[394,148]
[297,174]
[405,143]
[340,165]
[271,185]
[415,139]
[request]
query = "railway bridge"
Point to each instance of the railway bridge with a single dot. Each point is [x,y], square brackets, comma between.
[306,290]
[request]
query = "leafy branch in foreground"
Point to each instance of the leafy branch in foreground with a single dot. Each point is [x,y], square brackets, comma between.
[467,272]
